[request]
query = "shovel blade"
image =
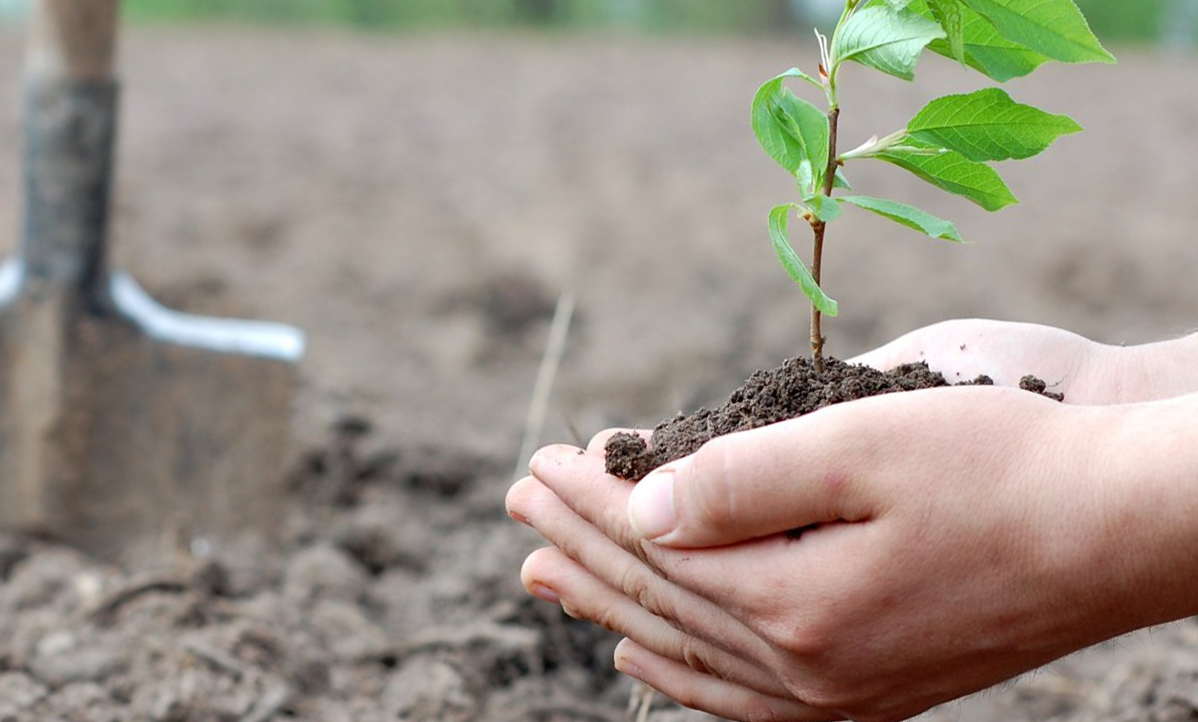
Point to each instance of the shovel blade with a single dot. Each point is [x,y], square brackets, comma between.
[136,433]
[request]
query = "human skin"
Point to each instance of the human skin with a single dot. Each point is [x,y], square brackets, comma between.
[953,538]
[1086,372]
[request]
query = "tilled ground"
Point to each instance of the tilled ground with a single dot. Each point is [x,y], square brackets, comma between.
[418,205]
[359,619]
[356,620]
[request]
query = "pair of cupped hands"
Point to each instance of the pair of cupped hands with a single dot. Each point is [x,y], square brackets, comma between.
[948,539]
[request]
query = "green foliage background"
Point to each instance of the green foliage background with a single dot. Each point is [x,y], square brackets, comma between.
[1112,20]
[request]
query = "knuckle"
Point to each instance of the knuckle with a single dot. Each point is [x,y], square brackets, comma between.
[826,692]
[607,616]
[824,683]
[694,658]
[643,587]
[603,616]
[808,640]
[639,548]
[813,640]
[825,698]
[636,584]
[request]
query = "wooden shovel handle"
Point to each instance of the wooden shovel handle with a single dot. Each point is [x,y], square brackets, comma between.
[72,40]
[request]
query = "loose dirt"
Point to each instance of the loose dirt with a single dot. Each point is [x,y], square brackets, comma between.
[417,204]
[796,388]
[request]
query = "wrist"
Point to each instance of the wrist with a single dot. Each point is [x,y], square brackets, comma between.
[1150,519]
[1150,372]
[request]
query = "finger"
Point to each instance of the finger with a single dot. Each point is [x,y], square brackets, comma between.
[582,482]
[576,493]
[584,596]
[719,697]
[599,441]
[754,484]
[623,571]
[512,501]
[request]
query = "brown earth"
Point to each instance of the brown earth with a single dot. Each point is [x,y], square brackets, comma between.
[796,388]
[417,205]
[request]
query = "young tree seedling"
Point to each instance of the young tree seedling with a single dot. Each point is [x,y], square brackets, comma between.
[948,144]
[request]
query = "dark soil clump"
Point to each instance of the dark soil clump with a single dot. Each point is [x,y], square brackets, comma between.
[793,389]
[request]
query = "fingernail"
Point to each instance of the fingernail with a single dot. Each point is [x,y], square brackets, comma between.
[651,505]
[518,517]
[544,593]
[536,461]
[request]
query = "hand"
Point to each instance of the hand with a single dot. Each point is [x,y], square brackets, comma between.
[951,539]
[1084,371]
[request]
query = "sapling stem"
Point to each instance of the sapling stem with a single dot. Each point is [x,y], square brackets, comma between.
[948,144]
[819,228]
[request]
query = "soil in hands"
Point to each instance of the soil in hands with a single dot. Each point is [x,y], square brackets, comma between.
[793,389]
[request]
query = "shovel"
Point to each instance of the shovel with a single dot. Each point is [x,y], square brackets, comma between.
[129,430]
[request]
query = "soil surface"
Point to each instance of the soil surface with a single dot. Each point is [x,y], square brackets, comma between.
[796,388]
[417,205]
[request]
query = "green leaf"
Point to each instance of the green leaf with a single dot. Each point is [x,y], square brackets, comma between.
[987,125]
[951,16]
[796,73]
[952,172]
[805,177]
[779,220]
[840,180]
[789,128]
[1055,28]
[909,216]
[989,53]
[824,208]
[807,185]
[985,50]
[884,39]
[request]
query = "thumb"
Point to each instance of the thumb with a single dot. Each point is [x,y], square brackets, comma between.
[750,485]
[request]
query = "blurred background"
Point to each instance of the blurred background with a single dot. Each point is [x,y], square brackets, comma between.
[418,183]
[1146,21]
